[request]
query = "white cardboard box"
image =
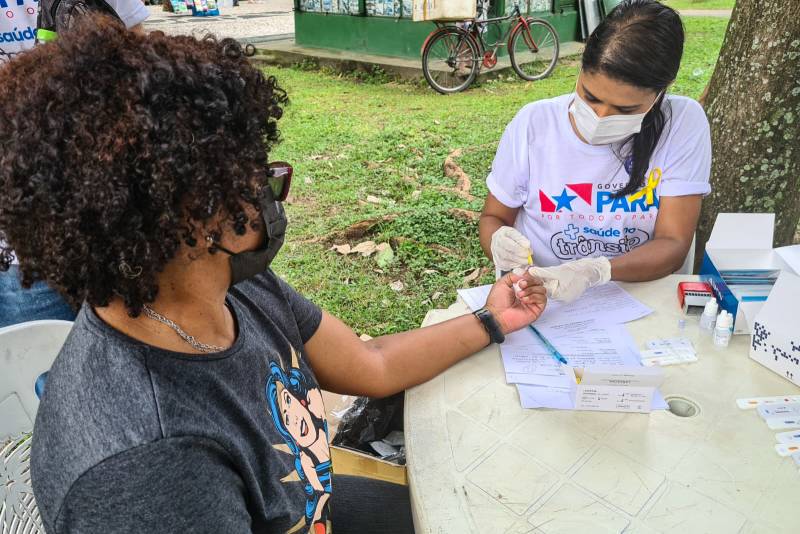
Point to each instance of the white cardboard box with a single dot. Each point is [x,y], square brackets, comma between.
[776,329]
[609,388]
[743,241]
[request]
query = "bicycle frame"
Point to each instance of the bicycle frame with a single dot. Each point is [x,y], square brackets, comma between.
[474,32]
[466,50]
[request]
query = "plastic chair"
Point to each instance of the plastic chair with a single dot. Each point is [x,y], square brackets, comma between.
[27,351]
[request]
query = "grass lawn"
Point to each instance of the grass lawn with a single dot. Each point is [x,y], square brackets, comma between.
[700,4]
[351,140]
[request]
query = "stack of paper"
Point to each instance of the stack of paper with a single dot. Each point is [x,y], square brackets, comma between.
[588,332]
[608,303]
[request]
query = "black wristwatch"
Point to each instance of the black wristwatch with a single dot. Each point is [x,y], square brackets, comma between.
[490,324]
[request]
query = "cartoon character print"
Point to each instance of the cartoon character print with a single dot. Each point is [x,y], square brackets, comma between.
[298,412]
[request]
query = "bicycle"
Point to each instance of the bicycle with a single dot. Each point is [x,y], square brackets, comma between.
[452,56]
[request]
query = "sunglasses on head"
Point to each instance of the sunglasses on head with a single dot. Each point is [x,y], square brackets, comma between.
[279,178]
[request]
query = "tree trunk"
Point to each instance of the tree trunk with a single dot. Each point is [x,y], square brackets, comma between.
[753,106]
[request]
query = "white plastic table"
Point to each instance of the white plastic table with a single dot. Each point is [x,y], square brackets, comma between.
[478,462]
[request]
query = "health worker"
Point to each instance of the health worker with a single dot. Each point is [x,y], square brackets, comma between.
[604,183]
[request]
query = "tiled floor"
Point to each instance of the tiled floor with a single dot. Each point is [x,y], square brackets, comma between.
[250,21]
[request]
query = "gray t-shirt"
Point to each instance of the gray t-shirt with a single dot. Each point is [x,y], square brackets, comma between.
[131,438]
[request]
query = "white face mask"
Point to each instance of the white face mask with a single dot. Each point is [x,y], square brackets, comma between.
[606,130]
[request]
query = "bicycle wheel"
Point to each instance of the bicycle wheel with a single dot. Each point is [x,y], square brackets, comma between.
[450,60]
[533,50]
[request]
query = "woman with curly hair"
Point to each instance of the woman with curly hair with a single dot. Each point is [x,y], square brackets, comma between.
[187,396]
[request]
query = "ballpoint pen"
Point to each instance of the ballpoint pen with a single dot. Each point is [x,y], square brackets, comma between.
[549,346]
[553,351]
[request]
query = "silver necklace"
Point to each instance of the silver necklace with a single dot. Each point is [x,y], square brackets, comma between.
[202,347]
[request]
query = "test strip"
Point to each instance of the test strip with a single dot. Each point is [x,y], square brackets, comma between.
[667,360]
[788,437]
[787,449]
[774,410]
[780,423]
[672,343]
[753,402]
[655,353]
[677,354]
[662,357]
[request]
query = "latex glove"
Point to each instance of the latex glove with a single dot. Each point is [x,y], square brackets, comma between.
[568,281]
[510,248]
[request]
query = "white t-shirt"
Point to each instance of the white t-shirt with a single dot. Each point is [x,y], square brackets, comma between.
[18,22]
[17,27]
[132,12]
[564,186]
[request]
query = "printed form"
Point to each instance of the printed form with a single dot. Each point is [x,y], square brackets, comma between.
[588,332]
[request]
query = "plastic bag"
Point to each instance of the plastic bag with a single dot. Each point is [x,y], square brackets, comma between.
[374,426]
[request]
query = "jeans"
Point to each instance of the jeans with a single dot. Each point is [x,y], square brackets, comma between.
[18,305]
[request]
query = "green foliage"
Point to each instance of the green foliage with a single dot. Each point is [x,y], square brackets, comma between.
[351,138]
[307,64]
[704,40]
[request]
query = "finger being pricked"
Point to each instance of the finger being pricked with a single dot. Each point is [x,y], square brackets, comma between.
[525,278]
[532,295]
[527,288]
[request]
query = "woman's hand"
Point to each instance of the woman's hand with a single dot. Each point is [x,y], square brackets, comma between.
[516,300]
[510,249]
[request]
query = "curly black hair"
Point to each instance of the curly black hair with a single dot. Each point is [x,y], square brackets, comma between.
[115,146]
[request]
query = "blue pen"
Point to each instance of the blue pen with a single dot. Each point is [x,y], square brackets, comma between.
[553,351]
